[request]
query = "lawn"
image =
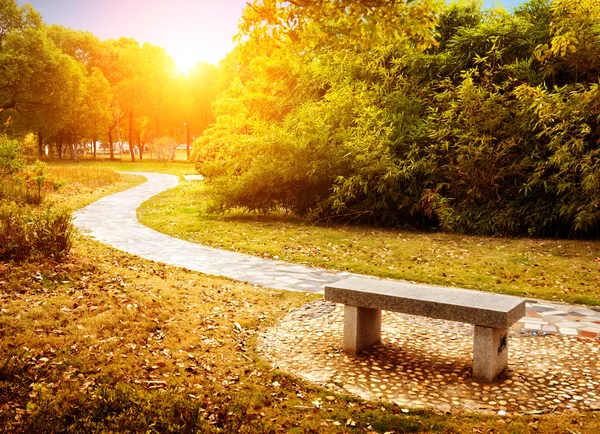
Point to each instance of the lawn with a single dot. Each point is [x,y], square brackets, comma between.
[107,342]
[558,270]
[177,167]
[88,180]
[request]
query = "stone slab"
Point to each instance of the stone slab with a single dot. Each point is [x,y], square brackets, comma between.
[453,304]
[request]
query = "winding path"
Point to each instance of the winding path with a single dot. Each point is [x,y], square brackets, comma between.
[113,220]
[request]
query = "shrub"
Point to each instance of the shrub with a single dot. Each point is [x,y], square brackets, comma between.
[10,157]
[164,148]
[26,231]
[493,131]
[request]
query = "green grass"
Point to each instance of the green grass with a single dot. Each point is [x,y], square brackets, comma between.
[559,270]
[82,184]
[88,180]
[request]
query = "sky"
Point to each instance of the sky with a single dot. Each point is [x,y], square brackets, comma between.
[190,30]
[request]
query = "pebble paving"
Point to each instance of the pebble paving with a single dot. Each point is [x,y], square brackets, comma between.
[427,363]
[554,355]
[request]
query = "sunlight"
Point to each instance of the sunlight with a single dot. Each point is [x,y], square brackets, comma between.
[184,60]
[187,53]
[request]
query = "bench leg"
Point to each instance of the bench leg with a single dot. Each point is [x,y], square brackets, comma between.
[362,328]
[490,353]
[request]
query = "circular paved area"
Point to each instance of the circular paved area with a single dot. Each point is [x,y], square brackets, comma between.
[427,363]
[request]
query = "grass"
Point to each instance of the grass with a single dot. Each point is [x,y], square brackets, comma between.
[559,270]
[178,167]
[107,342]
[82,185]
[88,180]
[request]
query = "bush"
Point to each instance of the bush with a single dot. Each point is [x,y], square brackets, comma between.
[493,131]
[10,157]
[27,232]
[164,149]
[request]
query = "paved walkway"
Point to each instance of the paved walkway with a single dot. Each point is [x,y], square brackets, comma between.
[113,221]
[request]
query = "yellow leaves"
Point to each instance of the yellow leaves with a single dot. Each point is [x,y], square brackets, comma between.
[572,28]
[338,22]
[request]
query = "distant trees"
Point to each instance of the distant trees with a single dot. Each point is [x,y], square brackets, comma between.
[487,122]
[72,89]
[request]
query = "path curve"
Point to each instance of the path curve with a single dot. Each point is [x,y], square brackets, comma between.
[113,220]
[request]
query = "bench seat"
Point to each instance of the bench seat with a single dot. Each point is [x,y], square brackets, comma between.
[491,315]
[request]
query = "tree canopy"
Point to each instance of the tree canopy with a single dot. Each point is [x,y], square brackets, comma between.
[72,89]
[413,113]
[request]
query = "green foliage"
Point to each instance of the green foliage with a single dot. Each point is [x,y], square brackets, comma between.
[24,230]
[492,130]
[27,231]
[10,157]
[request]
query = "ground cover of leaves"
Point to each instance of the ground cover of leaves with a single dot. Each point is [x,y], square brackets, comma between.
[108,342]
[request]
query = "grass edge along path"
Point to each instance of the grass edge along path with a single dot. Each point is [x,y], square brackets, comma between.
[556,270]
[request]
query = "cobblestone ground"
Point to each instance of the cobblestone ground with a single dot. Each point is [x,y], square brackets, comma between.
[427,363]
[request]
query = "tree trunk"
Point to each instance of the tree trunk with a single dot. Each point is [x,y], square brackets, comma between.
[111,146]
[131,145]
[188,139]
[140,146]
[94,146]
[40,145]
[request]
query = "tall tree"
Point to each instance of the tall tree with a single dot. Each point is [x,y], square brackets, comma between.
[37,82]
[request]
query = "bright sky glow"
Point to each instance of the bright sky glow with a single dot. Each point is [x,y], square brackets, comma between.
[190,30]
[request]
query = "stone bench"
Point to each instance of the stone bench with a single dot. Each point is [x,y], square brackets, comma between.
[491,314]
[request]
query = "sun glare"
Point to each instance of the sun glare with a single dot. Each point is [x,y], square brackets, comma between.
[185,61]
[187,53]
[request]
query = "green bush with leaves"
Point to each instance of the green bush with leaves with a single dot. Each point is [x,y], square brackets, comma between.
[27,232]
[494,130]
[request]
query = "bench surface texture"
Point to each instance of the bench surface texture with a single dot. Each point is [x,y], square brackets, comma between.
[453,304]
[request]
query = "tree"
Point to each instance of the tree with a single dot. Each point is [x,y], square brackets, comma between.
[145,72]
[15,18]
[37,83]
[335,22]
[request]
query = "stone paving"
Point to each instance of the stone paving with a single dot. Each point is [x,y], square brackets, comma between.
[554,359]
[426,363]
[113,221]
